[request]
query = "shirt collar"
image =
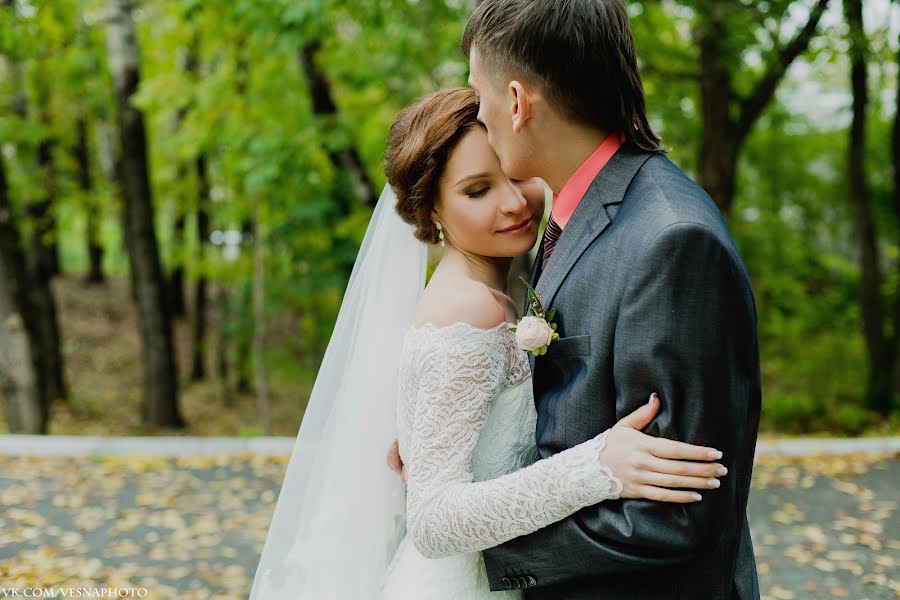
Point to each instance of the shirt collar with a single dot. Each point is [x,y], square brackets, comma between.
[569,197]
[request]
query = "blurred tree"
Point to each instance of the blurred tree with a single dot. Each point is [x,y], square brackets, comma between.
[22,365]
[725,32]
[895,154]
[40,250]
[160,403]
[82,154]
[43,249]
[881,346]
[198,329]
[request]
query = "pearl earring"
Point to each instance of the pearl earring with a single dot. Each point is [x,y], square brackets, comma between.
[440,234]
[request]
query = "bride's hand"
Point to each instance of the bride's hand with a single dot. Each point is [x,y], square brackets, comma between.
[656,468]
[394,461]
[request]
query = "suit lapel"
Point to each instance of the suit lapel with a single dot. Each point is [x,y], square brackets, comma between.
[535,273]
[589,220]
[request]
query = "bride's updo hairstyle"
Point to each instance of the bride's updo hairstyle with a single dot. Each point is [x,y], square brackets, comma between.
[422,137]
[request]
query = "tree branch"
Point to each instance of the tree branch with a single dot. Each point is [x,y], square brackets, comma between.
[752,106]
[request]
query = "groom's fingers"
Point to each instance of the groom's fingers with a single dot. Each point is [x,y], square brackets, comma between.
[664,448]
[688,469]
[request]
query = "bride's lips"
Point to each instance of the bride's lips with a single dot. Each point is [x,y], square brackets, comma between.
[519,228]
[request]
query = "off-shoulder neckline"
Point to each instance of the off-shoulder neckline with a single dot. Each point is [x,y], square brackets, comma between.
[428,325]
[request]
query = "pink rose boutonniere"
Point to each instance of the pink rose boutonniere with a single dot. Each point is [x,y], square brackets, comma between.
[535,332]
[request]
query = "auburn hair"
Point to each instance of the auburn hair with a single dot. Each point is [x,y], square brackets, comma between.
[422,137]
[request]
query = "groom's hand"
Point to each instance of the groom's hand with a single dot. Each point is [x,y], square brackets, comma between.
[394,461]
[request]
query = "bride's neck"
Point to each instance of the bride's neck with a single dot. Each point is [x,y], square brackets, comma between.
[491,271]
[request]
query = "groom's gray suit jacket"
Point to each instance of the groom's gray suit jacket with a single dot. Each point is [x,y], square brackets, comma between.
[651,295]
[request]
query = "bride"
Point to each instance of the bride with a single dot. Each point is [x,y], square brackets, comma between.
[438,369]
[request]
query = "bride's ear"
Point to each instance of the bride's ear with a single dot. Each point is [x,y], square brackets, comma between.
[520,105]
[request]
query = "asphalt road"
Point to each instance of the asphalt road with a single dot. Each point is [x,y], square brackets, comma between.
[190,528]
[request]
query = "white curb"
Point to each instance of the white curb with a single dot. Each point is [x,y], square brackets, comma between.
[76,445]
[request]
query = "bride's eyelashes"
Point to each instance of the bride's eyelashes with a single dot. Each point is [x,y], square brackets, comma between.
[478,193]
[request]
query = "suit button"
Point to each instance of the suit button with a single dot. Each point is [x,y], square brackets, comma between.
[523,582]
[517,584]
[531,581]
[505,581]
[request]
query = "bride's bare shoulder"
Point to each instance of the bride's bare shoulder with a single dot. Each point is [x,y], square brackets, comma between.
[449,302]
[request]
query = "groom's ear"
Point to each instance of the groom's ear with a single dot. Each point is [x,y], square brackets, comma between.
[520,105]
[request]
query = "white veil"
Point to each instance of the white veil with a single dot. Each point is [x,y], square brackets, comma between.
[341,511]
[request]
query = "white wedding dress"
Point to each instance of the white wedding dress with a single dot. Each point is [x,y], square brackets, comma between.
[466,423]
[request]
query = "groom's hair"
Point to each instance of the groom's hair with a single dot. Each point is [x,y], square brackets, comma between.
[579,53]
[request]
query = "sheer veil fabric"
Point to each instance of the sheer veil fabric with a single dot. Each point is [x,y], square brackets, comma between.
[341,512]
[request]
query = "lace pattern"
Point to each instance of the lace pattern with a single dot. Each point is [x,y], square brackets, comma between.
[450,380]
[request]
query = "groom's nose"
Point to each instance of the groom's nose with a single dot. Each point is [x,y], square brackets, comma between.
[514,201]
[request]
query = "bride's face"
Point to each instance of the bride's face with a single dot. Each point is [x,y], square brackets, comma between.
[481,210]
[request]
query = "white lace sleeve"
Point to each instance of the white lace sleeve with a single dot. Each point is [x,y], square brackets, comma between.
[457,376]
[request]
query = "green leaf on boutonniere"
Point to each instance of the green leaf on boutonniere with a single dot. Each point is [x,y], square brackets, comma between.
[513,329]
[534,303]
[551,314]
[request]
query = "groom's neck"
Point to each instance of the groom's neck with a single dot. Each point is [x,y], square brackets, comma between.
[565,147]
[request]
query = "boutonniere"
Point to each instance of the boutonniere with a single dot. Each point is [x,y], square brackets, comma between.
[535,332]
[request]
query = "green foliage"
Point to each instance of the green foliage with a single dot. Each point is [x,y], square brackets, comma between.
[222,79]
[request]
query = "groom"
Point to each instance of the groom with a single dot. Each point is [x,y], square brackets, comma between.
[651,295]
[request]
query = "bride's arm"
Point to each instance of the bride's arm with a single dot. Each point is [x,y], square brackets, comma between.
[447,512]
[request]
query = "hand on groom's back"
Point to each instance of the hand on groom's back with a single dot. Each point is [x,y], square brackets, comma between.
[395,462]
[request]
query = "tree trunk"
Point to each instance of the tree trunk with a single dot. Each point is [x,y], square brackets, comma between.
[45,238]
[49,339]
[244,334]
[727,119]
[109,153]
[879,392]
[718,146]
[176,279]
[22,386]
[160,405]
[259,324]
[43,248]
[85,181]
[346,157]
[198,371]
[39,256]
[895,151]
[224,341]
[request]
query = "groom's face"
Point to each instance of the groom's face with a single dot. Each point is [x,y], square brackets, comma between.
[495,112]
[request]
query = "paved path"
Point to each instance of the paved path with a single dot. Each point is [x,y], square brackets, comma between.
[191,527]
